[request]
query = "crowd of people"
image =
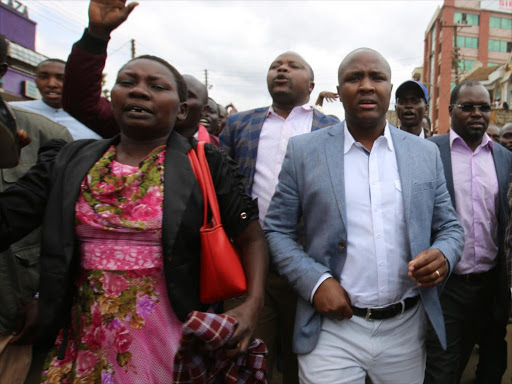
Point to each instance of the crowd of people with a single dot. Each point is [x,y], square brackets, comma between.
[372,253]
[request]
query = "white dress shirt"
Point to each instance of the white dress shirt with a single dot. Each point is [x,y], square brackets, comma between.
[274,136]
[76,128]
[375,272]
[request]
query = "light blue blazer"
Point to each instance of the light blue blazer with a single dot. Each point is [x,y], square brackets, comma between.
[312,187]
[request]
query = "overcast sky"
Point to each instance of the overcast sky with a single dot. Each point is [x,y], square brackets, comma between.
[237,40]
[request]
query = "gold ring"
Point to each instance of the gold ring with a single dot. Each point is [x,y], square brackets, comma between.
[438,274]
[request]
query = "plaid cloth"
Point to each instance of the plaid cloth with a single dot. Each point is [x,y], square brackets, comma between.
[202,358]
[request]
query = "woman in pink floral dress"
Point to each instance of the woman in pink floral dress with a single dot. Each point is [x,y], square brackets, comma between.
[122,309]
[121,218]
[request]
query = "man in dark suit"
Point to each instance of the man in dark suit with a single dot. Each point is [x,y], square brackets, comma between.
[476,297]
[257,141]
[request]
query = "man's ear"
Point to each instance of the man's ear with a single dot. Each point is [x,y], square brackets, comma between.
[426,110]
[339,93]
[450,109]
[311,86]
[183,112]
[3,69]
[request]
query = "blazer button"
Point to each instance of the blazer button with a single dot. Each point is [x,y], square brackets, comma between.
[243,215]
[342,245]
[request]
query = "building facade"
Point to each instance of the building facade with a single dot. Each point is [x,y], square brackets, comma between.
[463,35]
[20,32]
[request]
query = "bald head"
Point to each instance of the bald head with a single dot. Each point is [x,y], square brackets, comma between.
[290,81]
[506,136]
[368,53]
[197,86]
[197,97]
[494,132]
[298,58]
[364,89]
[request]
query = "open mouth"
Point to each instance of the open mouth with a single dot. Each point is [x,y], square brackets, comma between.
[367,104]
[138,111]
[53,94]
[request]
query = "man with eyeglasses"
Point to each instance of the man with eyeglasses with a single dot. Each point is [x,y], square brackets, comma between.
[476,298]
[411,106]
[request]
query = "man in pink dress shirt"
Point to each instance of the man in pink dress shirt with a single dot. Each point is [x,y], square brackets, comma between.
[257,141]
[476,297]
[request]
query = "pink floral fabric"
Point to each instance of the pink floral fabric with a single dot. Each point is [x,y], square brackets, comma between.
[123,329]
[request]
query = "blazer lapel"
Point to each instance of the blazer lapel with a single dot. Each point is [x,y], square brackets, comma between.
[406,167]
[446,158]
[335,163]
[502,173]
[178,182]
[253,137]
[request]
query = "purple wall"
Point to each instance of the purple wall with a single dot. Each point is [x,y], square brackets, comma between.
[13,80]
[16,27]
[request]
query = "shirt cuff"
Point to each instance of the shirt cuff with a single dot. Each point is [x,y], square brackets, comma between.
[322,278]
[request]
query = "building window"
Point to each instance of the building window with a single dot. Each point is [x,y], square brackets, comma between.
[466,65]
[452,85]
[500,23]
[500,46]
[465,18]
[489,64]
[467,42]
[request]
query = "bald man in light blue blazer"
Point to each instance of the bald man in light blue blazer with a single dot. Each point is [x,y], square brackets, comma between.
[364,289]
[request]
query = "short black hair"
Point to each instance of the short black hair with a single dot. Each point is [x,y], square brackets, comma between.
[50,61]
[3,49]
[455,91]
[180,81]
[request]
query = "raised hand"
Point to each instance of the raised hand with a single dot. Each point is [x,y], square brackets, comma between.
[107,15]
[329,96]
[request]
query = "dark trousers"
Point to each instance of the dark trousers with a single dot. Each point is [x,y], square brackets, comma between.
[275,327]
[467,307]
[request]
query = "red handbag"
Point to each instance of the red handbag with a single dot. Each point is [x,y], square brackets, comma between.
[221,274]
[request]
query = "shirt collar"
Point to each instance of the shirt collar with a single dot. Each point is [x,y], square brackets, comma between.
[349,139]
[306,107]
[486,141]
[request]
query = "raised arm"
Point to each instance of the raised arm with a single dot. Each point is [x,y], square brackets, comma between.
[82,96]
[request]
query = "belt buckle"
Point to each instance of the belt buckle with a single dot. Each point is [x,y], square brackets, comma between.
[368,316]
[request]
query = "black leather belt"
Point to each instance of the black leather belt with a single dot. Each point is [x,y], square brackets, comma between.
[386,312]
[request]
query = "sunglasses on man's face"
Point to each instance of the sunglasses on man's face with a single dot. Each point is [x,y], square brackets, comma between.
[471,107]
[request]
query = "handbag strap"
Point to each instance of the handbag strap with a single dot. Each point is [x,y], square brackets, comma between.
[194,162]
[201,169]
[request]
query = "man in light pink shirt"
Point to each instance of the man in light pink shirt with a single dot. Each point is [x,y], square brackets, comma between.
[476,297]
[257,141]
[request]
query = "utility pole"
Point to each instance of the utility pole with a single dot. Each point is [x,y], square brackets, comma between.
[206,78]
[455,52]
[133,48]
